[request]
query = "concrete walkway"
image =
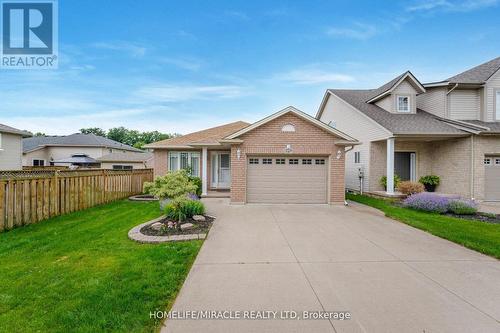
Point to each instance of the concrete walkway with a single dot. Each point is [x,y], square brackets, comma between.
[389,276]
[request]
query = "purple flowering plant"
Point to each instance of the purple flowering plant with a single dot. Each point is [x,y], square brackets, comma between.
[429,202]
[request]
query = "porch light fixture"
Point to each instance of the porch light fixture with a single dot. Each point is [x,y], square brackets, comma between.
[238,153]
[288,148]
[339,154]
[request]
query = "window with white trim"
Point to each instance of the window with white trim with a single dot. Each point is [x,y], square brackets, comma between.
[320,162]
[487,161]
[267,161]
[403,103]
[306,161]
[280,161]
[253,160]
[293,161]
[38,162]
[357,157]
[497,161]
[187,160]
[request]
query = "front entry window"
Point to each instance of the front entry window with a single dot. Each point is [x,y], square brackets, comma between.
[184,160]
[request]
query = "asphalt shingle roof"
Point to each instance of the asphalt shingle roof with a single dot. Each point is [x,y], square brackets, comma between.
[384,88]
[477,75]
[77,139]
[494,127]
[419,123]
[12,130]
[211,135]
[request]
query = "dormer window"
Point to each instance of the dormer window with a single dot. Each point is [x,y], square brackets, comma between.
[403,103]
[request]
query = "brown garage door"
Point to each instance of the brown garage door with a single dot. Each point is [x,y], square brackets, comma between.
[287,180]
[492,178]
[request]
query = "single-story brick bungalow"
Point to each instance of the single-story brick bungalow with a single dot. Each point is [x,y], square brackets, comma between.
[287,157]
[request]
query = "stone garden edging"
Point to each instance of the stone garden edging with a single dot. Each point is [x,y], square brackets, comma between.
[136,235]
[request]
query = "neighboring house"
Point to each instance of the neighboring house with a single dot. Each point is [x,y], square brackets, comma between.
[126,161]
[288,157]
[449,128]
[11,147]
[61,150]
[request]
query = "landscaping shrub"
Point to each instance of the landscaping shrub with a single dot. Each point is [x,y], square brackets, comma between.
[174,184]
[430,182]
[174,209]
[462,207]
[193,207]
[180,209]
[428,202]
[383,181]
[196,181]
[409,187]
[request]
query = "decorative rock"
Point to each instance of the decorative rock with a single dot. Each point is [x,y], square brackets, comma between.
[156,226]
[187,226]
[199,218]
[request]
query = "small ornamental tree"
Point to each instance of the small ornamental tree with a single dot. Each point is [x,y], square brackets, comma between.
[173,185]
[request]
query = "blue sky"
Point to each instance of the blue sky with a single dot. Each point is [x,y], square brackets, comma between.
[180,66]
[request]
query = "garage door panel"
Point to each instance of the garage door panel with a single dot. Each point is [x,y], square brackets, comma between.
[287,183]
[492,180]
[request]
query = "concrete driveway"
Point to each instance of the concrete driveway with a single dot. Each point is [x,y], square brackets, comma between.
[389,276]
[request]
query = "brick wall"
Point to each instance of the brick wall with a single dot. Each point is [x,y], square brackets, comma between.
[449,159]
[269,139]
[160,162]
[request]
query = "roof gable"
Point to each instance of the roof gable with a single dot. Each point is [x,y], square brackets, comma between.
[298,113]
[477,75]
[420,123]
[207,136]
[390,86]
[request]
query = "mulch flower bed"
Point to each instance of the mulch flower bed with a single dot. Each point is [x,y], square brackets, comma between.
[168,228]
[483,217]
[478,217]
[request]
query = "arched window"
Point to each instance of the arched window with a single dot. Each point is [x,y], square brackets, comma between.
[288,128]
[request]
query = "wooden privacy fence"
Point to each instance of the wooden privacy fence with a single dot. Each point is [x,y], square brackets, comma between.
[31,196]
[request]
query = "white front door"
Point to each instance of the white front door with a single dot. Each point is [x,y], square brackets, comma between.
[221,170]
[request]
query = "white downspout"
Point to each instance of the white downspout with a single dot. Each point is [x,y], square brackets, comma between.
[472,157]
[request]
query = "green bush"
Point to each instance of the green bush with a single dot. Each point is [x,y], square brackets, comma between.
[196,181]
[430,180]
[180,209]
[383,181]
[193,207]
[174,184]
[174,209]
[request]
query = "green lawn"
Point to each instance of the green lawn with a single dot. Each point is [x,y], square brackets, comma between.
[80,273]
[479,236]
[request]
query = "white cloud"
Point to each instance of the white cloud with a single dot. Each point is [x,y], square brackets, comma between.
[177,93]
[358,30]
[452,6]
[131,48]
[311,76]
